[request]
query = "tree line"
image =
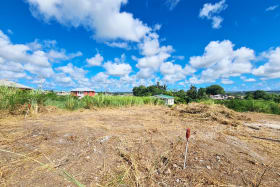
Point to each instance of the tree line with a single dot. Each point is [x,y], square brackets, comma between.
[181,96]
[195,94]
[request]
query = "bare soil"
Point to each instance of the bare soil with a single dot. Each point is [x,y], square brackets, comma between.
[140,146]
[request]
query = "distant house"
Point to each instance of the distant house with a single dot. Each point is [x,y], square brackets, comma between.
[221,97]
[63,93]
[217,97]
[81,92]
[169,100]
[231,97]
[12,84]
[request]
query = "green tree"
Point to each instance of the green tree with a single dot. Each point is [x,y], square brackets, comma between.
[192,92]
[181,97]
[214,90]
[201,93]
[260,94]
[140,91]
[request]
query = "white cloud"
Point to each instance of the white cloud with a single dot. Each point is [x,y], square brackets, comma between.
[195,80]
[179,57]
[271,69]
[250,80]
[123,45]
[172,3]
[10,31]
[220,60]
[100,78]
[154,55]
[210,12]
[95,61]
[54,55]
[117,69]
[227,81]
[78,75]
[18,59]
[157,27]
[64,80]
[104,17]
[174,72]
[271,8]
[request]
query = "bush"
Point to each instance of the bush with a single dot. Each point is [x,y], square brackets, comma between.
[251,105]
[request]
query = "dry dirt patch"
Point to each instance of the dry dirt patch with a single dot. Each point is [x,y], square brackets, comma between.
[139,146]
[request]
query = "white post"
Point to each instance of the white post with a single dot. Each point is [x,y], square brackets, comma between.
[186,154]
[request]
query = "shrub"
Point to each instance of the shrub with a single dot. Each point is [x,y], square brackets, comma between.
[251,105]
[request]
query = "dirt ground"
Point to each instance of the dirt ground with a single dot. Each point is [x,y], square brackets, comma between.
[140,146]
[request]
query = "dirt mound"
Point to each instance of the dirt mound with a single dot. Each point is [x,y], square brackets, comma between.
[218,113]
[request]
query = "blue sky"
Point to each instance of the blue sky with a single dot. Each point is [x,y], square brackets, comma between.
[114,45]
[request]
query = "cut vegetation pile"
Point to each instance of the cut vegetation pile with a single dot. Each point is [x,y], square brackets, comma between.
[213,112]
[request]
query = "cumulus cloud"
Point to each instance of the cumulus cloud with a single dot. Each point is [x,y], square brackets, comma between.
[174,72]
[117,69]
[18,59]
[153,55]
[271,69]
[220,60]
[104,17]
[77,75]
[95,61]
[211,11]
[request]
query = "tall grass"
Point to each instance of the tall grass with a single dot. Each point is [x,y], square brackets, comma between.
[118,101]
[12,99]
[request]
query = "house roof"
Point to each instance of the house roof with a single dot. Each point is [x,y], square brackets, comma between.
[164,96]
[82,90]
[13,84]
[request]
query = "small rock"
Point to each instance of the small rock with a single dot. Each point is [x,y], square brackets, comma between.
[106,138]
[88,157]
[196,158]
[168,171]
[67,135]
[175,166]
[201,160]
[61,141]
[208,167]
[218,158]
[177,180]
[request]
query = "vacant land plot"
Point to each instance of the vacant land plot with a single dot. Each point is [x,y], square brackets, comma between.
[140,146]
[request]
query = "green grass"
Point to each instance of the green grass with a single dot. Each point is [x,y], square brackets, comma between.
[11,99]
[261,106]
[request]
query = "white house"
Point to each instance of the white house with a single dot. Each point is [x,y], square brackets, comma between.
[169,100]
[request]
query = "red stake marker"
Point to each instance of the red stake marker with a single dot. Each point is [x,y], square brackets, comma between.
[188,134]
